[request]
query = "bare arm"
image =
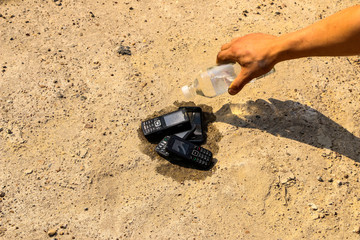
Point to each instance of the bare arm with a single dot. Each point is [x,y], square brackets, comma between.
[337,35]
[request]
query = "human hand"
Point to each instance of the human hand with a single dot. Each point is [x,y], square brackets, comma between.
[255,54]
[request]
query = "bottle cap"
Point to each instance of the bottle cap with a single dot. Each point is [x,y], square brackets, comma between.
[186,91]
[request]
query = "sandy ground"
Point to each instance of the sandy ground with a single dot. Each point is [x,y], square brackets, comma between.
[73,164]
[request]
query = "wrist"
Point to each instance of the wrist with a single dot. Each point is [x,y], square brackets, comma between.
[286,47]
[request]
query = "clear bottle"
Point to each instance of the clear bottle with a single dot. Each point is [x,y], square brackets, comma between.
[214,81]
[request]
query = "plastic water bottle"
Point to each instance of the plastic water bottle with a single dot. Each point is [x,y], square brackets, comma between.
[214,81]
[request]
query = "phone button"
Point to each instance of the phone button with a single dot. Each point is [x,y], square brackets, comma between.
[195,153]
[157,123]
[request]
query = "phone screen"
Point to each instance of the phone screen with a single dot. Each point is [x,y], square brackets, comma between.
[182,134]
[180,147]
[196,119]
[174,118]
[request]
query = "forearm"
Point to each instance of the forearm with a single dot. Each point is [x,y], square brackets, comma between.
[337,35]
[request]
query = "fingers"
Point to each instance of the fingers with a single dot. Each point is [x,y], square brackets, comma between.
[240,81]
[225,46]
[228,45]
[225,56]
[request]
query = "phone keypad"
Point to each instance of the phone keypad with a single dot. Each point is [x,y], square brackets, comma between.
[201,156]
[151,126]
[161,147]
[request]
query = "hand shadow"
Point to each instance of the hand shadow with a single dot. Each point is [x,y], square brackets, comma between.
[292,120]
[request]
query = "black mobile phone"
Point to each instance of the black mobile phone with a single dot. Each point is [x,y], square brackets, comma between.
[196,119]
[161,147]
[176,147]
[171,123]
[186,134]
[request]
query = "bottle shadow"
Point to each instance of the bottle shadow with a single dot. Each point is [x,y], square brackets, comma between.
[292,120]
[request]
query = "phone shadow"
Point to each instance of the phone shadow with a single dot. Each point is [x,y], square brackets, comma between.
[292,120]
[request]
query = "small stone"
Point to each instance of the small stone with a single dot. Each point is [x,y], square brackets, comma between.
[83,152]
[319,178]
[63,226]
[88,125]
[52,232]
[124,50]
[85,209]
[61,232]
[339,183]
[315,216]
[2,194]
[313,206]
[28,171]
[287,177]
[59,95]
[357,229]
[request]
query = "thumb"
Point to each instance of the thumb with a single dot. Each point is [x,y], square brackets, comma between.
[240,81]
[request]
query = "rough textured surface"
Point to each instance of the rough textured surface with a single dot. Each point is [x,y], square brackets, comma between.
[71,158]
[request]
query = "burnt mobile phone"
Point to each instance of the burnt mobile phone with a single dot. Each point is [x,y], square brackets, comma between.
[161,147]
[171,123]
[184,150]
[196,119]
[186,134]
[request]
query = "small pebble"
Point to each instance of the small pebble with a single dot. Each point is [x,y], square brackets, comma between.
[59,95]
[2,194]
[315,216]
[28,171]
[124,50]
[52,232]
[357,230]
[313,206]
[319,178]
[83,152]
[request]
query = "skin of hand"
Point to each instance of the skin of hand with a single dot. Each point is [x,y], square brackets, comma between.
[253,52]
[336,35]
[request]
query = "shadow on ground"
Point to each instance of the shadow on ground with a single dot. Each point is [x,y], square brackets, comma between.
[292,120]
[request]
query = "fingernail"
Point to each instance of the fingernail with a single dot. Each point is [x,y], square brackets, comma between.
[232,91]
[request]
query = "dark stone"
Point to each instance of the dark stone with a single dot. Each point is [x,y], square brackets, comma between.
[124,50]
[60,95]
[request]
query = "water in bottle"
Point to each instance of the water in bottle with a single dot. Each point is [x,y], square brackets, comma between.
[214,81]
